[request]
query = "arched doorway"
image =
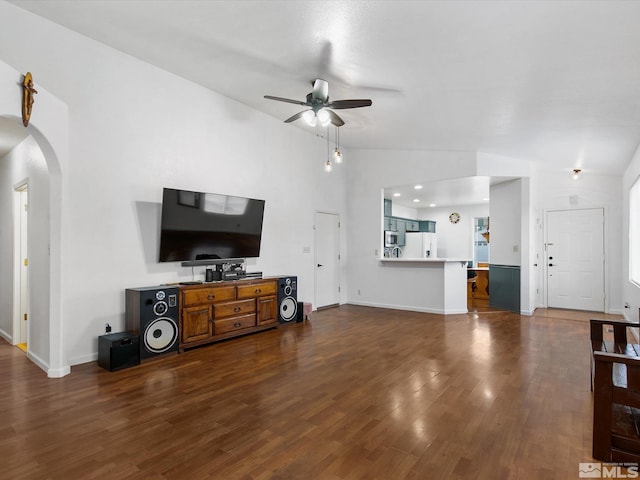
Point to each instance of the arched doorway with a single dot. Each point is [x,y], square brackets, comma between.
[48,130]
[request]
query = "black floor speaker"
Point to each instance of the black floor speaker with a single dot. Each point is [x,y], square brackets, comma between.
[152,312]
[118,350]
[287,299]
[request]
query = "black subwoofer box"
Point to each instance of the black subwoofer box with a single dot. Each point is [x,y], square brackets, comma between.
[118,350]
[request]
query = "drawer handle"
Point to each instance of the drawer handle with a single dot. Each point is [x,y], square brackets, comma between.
[237,309]
[237,324]
[258,290]
[210,297]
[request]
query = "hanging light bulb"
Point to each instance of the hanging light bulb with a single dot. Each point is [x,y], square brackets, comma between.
[327,165]
[337,154]
[323,117]
[310,117]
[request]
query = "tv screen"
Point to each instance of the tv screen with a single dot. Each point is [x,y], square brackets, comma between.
[204,226]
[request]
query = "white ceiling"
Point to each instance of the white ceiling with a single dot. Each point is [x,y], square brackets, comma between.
[553,82]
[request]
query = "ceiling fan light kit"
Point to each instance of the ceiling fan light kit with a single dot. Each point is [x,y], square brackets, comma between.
[320,113]
[320,107]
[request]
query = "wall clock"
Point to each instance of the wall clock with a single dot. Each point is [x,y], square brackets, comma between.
[454,217]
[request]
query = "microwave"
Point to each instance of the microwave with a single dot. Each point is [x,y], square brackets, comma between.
[390,238]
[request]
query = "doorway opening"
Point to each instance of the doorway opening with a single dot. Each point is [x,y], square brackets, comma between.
[481,241]
[21,264]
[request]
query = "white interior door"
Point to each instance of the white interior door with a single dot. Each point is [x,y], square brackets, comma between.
[21,272]
[575,259]
[327,257]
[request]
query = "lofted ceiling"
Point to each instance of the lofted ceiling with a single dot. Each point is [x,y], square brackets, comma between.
[553,82]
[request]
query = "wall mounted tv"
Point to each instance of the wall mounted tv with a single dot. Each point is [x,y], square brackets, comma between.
[208,226]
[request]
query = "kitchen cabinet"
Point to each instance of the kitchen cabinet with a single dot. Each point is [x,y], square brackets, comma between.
[402,230]
[390,223]
[387,207]
[427,226]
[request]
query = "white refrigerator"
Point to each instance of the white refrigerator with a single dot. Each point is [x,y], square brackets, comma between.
[420,245]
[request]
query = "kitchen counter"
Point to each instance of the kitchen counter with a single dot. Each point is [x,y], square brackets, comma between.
[433,285]
[425,260]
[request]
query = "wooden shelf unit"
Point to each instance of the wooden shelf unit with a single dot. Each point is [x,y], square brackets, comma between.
[217,311]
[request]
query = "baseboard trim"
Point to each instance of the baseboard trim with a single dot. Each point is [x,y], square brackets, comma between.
[409,308]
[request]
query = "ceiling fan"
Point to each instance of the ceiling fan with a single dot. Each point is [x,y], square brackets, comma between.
[319,103]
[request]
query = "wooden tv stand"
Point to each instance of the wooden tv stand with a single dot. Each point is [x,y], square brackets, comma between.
[210,312]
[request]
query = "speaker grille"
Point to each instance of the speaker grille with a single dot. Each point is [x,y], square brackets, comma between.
[160,335]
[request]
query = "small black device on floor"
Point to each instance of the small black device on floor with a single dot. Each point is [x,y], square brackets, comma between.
[118,350]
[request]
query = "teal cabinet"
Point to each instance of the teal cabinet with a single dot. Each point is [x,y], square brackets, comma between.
[387,207]
[427,226]
[390,223]
[402,229]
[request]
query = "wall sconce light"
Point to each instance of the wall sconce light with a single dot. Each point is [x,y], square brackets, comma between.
[576,174]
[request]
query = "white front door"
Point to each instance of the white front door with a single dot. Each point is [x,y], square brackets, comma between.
[575,259]
[327,258]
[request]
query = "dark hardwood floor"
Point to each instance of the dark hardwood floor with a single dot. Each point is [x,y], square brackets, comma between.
[353,393]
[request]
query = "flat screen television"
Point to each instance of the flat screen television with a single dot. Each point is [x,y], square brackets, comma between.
[205,226]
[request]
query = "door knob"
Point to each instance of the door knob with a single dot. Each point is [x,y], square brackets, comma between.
[320,265]
[551,264]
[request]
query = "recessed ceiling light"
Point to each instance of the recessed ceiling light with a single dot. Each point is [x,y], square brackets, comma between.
[396,194]
[416,200]
[432,204]
[418,187]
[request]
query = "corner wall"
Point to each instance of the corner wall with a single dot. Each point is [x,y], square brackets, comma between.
[630,291]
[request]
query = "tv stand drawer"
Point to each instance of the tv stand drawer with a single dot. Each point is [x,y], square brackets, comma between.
[198,296]
[233,309]
[257,289]
[227,325]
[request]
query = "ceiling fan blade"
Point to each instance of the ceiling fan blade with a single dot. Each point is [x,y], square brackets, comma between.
[295,117]
[320,90]
[287,100]
[335,119]
[340,104]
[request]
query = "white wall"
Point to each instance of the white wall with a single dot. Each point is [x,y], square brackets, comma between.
[134,129]
[403,212]
[455,240]
[630,291]
[506,212]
